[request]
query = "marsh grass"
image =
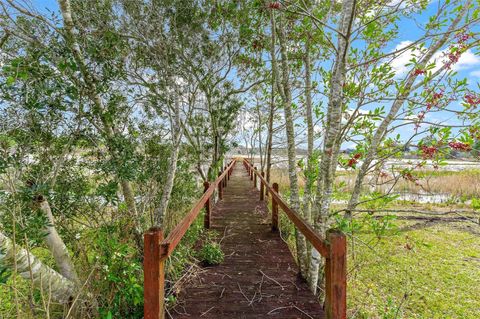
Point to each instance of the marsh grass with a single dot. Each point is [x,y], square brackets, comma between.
[462,184]
[425,269]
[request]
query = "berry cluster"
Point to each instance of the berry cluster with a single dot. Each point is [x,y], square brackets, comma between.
[383,174]
[459,146]
[409,177]
[354,160]
[419,72]
[453,57]
[434,100]
[274,5]
[463,37]
[429,151]
[472,100]
[420,116]
[457,50]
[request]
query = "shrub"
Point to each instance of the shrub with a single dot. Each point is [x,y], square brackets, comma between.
[211,253]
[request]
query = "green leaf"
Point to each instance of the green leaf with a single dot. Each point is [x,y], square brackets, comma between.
[10,80]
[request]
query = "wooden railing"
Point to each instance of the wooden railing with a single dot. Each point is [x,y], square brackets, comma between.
[157,249]
[333,248]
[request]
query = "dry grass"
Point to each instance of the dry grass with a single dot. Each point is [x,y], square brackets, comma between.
[459,184]
[464,183]
[280,176]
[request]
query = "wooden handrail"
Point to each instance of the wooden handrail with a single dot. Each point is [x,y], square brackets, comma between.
[157,249]
[305,228]
[333,248]
[174,237]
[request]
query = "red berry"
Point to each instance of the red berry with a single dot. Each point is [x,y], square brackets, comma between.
[274,5]
[459,146]
[418,72]
[428,151]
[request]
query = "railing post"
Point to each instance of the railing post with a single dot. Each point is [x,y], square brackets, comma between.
[262,187]
[208,207]
[220,188]
[336,276]
[251,173]
[225,178]
[254,177]
[153,275]
[274,209]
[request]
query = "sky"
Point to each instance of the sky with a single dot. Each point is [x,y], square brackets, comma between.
[468,65]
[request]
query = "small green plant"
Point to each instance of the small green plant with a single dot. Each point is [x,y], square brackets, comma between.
[383,225]
[211,253]
[476,203]
[392,310]
[376,200]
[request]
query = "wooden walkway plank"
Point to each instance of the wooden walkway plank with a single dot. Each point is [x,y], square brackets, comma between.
[258,278]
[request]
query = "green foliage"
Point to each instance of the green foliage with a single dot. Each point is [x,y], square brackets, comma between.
[185,253]
[211,253]
[380,226]
[376,200]
[476,203]
[120,290]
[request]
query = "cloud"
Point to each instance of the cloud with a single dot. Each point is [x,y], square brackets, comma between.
[475,73]
[467,60]
[398,64]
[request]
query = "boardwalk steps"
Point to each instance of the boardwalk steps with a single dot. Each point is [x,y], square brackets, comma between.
[258,278]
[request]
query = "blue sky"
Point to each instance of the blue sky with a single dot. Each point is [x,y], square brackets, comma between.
[45,5]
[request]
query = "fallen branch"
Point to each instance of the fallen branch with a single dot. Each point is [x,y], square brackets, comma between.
[289,307]
[275,281]
[204,313]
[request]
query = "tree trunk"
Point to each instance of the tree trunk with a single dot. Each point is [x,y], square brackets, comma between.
[260,148]
[270,129]
[129,197]
[331,145]
[309,178]
[173,160]
[286,94]
[28,266]
[309,172]
[56,245]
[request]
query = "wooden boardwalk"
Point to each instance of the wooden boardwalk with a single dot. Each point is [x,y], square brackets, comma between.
[258,278]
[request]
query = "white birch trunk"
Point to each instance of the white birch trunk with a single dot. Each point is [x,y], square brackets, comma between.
[286,94]
[331,140]
[56,245]
[61,289]
[172,169]
[309,179]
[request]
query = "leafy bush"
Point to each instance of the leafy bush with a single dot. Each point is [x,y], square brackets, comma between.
[120,290]
[211,253]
